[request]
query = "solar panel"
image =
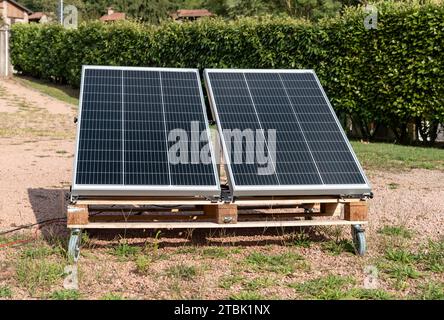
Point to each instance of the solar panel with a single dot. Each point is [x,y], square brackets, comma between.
[302,140]
[130,119]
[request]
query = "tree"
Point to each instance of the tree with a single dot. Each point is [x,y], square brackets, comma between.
[309,9]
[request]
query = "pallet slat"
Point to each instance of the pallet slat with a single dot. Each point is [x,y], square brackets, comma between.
[213,225]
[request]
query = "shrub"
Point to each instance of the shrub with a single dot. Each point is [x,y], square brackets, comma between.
[392,75]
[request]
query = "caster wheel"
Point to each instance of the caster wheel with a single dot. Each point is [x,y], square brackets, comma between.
[358,235]
[74,245]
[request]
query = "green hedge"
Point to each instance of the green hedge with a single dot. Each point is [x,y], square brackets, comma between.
[392,75]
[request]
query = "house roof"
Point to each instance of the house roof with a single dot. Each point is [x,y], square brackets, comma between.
[36,16]
[20,6]
[183,13]
[114,16]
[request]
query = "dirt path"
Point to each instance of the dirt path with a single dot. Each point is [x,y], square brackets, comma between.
[37,146]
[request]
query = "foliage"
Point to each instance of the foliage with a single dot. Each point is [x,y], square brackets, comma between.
[392,75]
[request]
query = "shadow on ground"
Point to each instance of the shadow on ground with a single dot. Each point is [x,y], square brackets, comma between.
[49,207]
[205,237]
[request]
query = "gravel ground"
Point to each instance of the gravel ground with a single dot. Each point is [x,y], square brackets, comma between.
[35,175]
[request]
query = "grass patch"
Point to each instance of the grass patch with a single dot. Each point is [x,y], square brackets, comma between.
[5,292]
[400,255]
[41,251]
[336,247]
[281,263]
[143,264]
[188,250]
[65,295]
[112,296]
[216,252]
[61,92]
[396,231]
[432,291]
[432,256]
[258,283]
[386,156]
[35,274]
[226,282]
[403,272]
[301,239]
[182,271]
[330,287]
[370,294]
[246,295]
[124,251]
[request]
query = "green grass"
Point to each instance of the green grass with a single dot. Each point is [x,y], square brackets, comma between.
[112,296]
[396,231]
[370,294]
[386,156]
[61,92]
[182,271]
[226,282]
[281,263]
[125,251]
[143,264]
[401,273]
[400,255]
[300,239]
[431,291]
[258,283]
[5,292]
[187,250]
[216,252]
[65,295]
[432,256]
[35,274]
[337,247]
[246,295]
[37,251]
[331,287]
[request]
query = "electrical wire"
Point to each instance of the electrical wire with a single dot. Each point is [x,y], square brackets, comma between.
[27,226]
[40,224]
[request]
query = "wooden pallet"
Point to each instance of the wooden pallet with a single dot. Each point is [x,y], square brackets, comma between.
[143,213]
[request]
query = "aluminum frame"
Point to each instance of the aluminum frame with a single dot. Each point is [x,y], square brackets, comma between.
[354,190]
[83,190]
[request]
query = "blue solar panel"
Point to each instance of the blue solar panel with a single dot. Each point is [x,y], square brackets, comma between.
[312,154]
[126,117]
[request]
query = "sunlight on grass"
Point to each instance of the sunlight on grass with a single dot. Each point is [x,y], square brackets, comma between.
[60,92]
[386,156]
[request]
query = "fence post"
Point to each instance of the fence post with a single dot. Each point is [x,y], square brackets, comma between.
[5,65]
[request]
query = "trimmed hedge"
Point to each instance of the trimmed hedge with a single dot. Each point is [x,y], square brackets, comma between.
[392,75]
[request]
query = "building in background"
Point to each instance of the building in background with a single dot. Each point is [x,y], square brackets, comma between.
[113,16]
[40,17]
[12,12]
[190,15]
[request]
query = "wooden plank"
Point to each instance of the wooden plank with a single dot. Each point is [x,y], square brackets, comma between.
[331,208]
[222,213]
[78,214]
[356,211]
[213,225]
[275,201]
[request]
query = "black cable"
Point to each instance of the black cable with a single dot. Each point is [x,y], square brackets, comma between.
[27,226]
